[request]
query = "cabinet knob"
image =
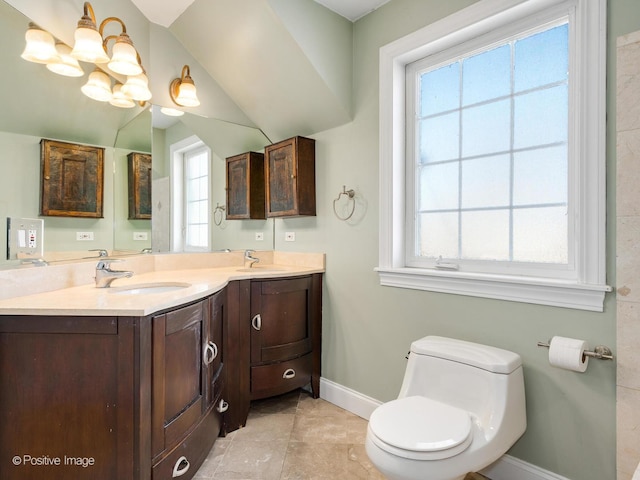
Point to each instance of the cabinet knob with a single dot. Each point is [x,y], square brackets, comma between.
[181,467]
[210,353]
[289,373]
[256,322]
[222,406]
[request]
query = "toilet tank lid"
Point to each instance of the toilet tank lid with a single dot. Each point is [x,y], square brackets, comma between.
[488,358]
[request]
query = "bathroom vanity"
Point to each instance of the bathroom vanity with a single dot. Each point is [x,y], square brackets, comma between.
[129,390]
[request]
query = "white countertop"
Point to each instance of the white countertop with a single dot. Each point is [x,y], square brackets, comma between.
[87,300]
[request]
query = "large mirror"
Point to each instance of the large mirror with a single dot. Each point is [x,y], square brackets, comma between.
[40,104]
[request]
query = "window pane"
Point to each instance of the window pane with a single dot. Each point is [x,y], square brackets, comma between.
[439,138]
[540,176]
[197,212]
[485,235]
[541,117]
[487,75]
[197,235]
[486,182]
[438,235]
[486,129]
[540,235]
[438,188]
[440,90]
[542,58]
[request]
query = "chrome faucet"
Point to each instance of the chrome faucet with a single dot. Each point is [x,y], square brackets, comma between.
[249,258]
[104,274]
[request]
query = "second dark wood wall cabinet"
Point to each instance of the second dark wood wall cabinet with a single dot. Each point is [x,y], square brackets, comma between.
[290,170]
[245,186]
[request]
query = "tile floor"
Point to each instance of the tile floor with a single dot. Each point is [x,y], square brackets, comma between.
[292,437]
[295,437]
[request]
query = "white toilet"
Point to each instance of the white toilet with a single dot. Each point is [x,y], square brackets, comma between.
[460,408]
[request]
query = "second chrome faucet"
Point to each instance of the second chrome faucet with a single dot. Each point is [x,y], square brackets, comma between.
[249,259]
[104,274]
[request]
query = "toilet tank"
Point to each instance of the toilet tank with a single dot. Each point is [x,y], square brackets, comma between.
[478,378]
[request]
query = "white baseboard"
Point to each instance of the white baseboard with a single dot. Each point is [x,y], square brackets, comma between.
[506,468]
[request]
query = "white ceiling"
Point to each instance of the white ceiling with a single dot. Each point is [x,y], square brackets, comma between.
[164,12]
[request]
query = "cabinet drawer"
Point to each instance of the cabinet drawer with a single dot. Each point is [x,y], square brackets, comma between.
[278,378]
[194,449]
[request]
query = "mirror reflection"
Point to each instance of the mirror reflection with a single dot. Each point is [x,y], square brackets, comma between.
[39,104]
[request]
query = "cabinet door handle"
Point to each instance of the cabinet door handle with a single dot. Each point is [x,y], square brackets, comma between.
[222,406]
[181,467]
[210,353]
[256,322]
[289,373]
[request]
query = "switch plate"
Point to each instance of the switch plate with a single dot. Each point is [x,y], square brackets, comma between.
[290,236]
[260,236]
[140,236]
[84,236]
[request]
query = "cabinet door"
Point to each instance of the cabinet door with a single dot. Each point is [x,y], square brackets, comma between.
[245,186]
[290,177]
[281,319]
[179,373]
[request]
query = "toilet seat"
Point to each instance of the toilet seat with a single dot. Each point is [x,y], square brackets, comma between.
[420,428]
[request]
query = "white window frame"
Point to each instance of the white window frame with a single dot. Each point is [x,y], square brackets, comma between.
[586,289]
[176,155]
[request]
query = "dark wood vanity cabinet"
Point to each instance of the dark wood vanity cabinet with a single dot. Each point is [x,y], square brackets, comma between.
[67,398]
[290,177]
[245,186]
[187,381]
[285,335]
[144,398]
[105,398]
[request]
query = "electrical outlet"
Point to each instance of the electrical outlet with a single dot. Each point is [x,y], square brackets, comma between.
[140,236]
[290,236]
[260,236]
[84,236]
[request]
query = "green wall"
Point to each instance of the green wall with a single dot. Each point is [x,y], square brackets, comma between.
[368,328]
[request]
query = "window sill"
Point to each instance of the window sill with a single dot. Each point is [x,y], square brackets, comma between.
[500,287]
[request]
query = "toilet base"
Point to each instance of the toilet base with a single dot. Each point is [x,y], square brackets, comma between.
[397,468]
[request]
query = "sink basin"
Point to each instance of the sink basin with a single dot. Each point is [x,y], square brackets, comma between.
[149,288]
[260,269]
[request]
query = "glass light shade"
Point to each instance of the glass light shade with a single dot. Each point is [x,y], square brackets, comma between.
[119,99]
[124,59]
[88,46]
[67,66]
[98,87]
[187,95]
[172,112]
[40,47]
[137,87]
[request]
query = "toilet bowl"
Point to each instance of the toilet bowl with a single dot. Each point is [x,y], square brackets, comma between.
[460,408]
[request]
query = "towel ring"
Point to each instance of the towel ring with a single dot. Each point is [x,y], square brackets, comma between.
[219,209]
[350,194]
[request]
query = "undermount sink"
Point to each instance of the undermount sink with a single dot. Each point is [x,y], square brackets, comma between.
[260,269]
[149,288]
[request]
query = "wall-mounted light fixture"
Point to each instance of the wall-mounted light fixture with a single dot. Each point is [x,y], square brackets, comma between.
[183,90]
[67,66]
[40,46]
[90,46]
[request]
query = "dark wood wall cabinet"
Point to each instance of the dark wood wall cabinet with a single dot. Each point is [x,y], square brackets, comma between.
[245,186]
[290,177]
[144,398]
[139,185]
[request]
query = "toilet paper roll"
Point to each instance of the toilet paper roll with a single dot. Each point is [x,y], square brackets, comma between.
[568,353]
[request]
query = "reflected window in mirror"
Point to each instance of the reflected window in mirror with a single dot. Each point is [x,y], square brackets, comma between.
[191,182]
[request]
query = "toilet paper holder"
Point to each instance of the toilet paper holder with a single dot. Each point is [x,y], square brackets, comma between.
[600,351]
